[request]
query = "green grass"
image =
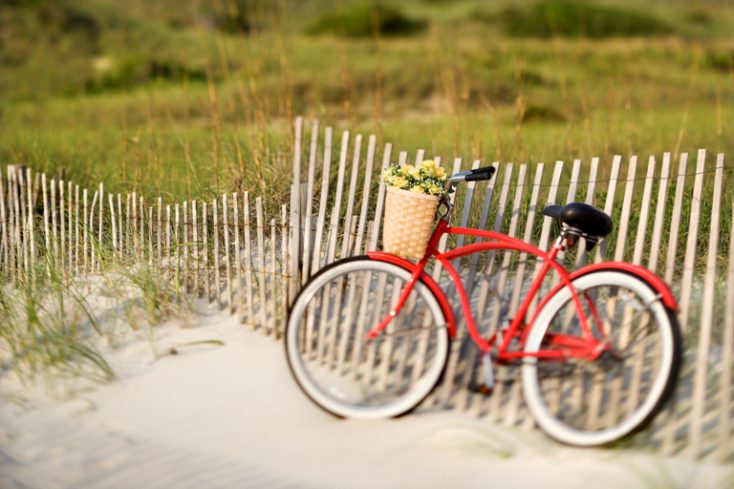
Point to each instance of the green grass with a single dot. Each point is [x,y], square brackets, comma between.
[367,20]
[186,100]
[54,326]
[567,18]
[171,101]
[45,324]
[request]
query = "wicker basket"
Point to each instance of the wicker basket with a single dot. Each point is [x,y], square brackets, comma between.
[408,222]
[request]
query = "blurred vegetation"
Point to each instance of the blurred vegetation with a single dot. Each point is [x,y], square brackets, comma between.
[579,19]
[189,98]
[366,20]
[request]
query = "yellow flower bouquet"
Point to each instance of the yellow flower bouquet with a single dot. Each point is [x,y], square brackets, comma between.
[426,178]
[413,193]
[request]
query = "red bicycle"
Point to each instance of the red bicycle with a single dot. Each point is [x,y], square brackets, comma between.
[368,337]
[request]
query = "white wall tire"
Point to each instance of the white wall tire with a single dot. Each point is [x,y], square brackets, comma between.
[661,341]
[363,392]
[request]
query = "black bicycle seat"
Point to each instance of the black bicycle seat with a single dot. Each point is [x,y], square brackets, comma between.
[589,220]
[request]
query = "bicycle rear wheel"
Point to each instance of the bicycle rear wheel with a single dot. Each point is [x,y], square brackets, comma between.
[591,403]
[338,367]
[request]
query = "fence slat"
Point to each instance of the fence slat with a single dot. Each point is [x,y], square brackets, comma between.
[185,244]
[466,207]
[30,216]
[23,216]
[657,231]
[644,212]
[296,207]
[419,156]
[613,403]
[667,444]
[227,252]
[46,232]
[250,307]
[237,292]
[100,229]
[688,263]
[513,404]
[134,225]
[150,236]
[308,224]
[609,202]
[159,235]
[273,295]
[498,396]
[707,307]
[365,196]
[4,224]
[624,218]
[261,264]
[121,232]
[113,221]
[92,237]
[638,368]
[727,357]
[463,397]
[217,264]
[197,246]
[284,269]
[319,243]
[675,219]
[379,208]
[85,264]
[483,218]
[168,272]
[77,229]
[17,184]
[453,364]
[336,211]
[177,247]
[347,238]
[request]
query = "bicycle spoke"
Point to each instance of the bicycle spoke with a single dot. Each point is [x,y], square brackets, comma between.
[342,368]
[626,381]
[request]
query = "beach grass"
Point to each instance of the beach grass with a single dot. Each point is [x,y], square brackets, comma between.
[168,107]
[187,102]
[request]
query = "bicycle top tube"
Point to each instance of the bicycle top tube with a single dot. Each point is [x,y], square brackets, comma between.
[492,241]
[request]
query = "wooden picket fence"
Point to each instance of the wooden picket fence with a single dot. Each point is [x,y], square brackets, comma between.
[669,215]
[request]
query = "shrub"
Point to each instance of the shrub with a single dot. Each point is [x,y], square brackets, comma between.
[134,70]
[571,18]
[233,16]
[542,113]
[363,20]
[699,16]
[721,61]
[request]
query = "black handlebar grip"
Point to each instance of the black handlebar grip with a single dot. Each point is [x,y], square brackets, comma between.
[477,176]
[487,169]
[480,174]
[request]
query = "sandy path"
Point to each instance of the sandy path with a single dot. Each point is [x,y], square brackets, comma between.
[231,416]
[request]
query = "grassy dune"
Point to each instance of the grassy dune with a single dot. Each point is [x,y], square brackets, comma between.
[189,100]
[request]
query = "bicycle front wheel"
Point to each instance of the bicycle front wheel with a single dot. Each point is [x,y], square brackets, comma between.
[338,367]
[591,403]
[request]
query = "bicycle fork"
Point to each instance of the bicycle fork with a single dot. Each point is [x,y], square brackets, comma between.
[415,276]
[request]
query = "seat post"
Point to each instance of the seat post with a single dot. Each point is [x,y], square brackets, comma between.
[558,244]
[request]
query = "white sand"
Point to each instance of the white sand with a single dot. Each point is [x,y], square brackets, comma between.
[231,416]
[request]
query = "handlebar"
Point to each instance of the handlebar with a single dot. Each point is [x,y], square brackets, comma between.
[472,175]
[465,176]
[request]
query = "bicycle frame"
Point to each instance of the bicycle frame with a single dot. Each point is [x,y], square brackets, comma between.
[585,346]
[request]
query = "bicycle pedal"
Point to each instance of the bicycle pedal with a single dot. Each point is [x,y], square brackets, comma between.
[481,389]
